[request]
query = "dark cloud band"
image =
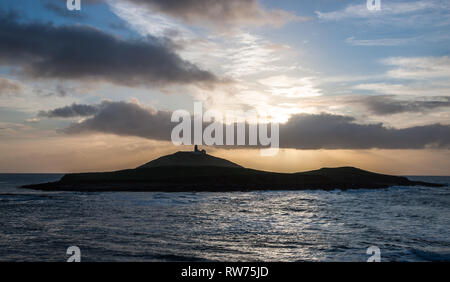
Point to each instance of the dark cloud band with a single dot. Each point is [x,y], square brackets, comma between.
[74,110]
[323,131]
[388,105]
[83,52]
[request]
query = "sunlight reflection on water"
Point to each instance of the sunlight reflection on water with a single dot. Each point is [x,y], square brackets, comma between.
[406,223]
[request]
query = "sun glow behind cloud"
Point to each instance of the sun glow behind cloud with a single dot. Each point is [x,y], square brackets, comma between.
[262,74]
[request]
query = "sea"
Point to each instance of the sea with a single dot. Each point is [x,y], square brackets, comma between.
[400,223]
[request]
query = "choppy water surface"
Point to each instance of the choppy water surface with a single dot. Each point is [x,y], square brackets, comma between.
[406,223]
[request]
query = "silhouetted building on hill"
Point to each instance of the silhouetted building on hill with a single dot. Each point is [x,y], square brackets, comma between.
[197,151]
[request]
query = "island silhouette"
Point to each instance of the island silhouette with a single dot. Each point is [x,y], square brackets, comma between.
[197,171]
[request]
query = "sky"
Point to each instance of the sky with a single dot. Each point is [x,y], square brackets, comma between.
[93,90]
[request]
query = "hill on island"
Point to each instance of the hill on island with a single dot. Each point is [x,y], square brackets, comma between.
[198,171]
[189,159]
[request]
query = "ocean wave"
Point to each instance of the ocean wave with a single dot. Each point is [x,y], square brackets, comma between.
[431,256]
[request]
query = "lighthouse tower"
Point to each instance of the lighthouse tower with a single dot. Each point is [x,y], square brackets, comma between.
[197,151]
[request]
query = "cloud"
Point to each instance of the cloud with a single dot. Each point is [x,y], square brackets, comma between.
[292,87]
[381,41]
[426,88]
[126,119]
[327,131]
[218,13]
[428,38]
[361,11]
[74,110]
[418,67]
[43,50]
[302,131]
[403,14]
[387,105]
[412,76]
[9,87]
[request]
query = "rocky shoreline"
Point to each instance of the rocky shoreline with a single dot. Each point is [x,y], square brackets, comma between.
[223,179]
